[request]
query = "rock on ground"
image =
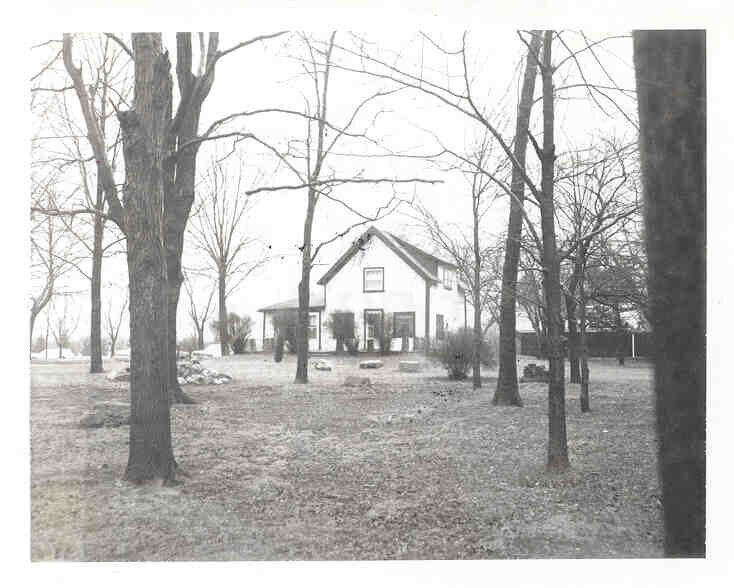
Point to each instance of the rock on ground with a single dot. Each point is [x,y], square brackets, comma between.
[357,381]
[192,372]
[322,365]
[370,364]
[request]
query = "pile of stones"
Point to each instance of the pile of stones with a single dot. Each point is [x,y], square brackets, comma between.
[535,373]
[192,372]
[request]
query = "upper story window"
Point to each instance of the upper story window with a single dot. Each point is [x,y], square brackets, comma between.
[374,279]
[447,277]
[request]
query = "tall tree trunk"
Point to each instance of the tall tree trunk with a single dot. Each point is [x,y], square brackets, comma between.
[573,338]
[670,68]
[583,350]
[223,326]
[95,331]
[304,294]
[143,130]
[200,336]
[33,322]
[180,177]
[557,444]
[477,344]
[621,334]
[478,334]
[507,392]
[113,341]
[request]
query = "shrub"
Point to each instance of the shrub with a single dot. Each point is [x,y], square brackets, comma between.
[284,324]
[456,353]
[239,344]
[278,349]
[352,345]
[341,325]
[253,346]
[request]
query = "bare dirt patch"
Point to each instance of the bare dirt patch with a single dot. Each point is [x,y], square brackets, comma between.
[411,467]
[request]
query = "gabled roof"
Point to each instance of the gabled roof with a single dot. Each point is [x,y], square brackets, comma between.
[315,298]
[429,260]
[424,264]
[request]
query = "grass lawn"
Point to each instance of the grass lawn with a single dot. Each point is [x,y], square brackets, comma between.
[414,467]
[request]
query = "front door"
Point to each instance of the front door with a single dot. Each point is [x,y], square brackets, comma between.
[373,325]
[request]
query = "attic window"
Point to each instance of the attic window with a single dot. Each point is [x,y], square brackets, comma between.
[447,277]
[374,279]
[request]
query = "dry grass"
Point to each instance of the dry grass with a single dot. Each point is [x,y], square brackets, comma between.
[414,467]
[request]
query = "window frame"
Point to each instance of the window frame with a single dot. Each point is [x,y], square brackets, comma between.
[440,333]
[447,277]
[373,311]
[364,278]
[315,327]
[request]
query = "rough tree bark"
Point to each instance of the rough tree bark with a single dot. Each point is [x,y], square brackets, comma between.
[181,178]
[223,326]
[144,147]
[573,337]
[557,444]
[507,392]
[670,68]
[583,349]
[304,291]
[95,331]
[477,295]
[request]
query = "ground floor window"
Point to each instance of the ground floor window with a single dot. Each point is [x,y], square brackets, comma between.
[403,324]
[439,327]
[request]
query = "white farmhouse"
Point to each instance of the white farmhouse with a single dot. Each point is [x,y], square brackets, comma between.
[381,282]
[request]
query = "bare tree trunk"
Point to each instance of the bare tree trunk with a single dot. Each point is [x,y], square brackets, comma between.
[113,341]
[200,336]
[304,294]
[95,331]
[478,336]
[33,322]
[583,350]
[223,327]
[557,444]
[573,338]
[143,129]
[621,335]
[670,68]
[507,393]
[478,333]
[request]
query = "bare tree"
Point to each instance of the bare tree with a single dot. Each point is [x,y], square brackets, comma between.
[105,60]
[507,392]
[670,68]
[475,260]
[308,160]
[113,322]
[63,325]
[53,253]
[218,230]
[596,197]
[198,314]
[160,150]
